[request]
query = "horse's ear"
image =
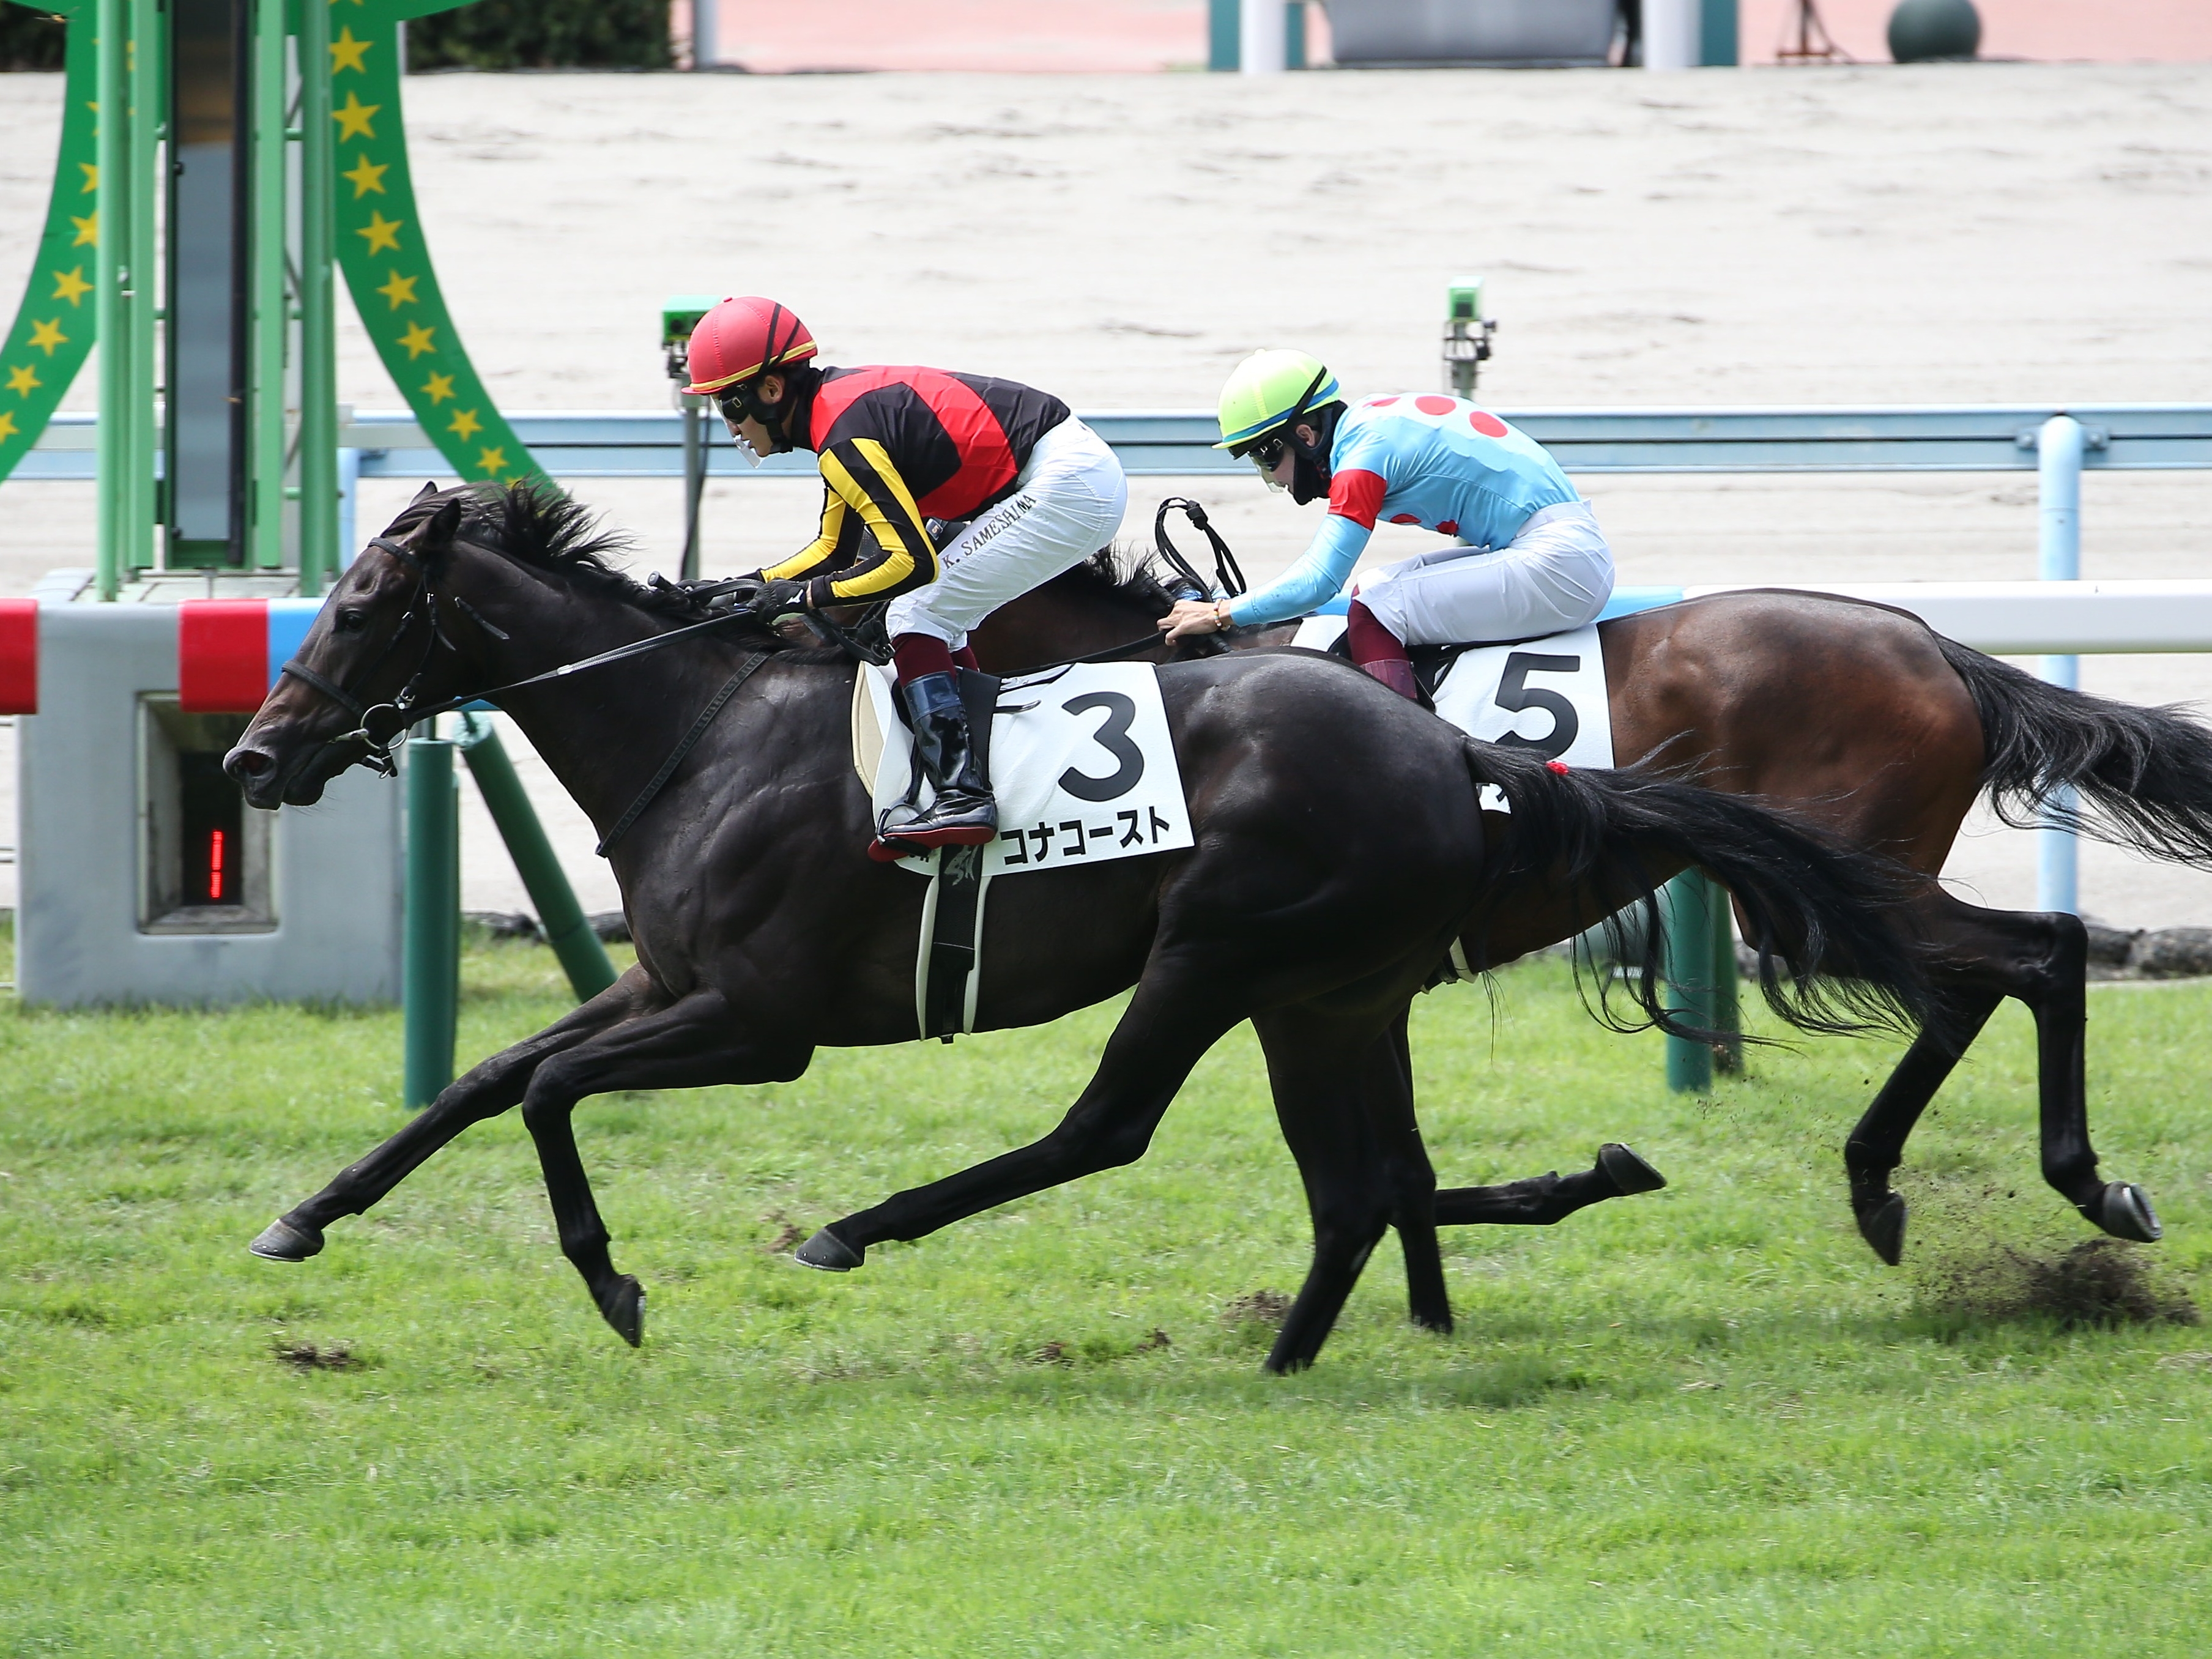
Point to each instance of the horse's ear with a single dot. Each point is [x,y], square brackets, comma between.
[437,533]
[429,487]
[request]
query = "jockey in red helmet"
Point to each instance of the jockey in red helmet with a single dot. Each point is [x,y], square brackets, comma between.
[1023,489]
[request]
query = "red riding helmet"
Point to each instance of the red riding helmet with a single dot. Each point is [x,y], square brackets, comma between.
[742,338]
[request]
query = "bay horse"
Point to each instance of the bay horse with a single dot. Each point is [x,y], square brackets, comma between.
[1861,718]
[1339,847]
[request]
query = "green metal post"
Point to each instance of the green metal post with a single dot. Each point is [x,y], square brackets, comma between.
[1716,33]
[318,390]
[1224,29]
[570,935]
[430,964]
[266,309]
[1685,909]
[1728,1010]
[142,186]
[111,152]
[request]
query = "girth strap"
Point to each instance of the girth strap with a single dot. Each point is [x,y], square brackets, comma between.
[645,798]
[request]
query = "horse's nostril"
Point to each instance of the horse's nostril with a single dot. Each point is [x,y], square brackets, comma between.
[247,764]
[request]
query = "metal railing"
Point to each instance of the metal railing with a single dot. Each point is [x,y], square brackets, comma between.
[1968,438]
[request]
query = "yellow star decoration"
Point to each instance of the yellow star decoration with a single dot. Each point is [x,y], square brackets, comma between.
[7,427]
[417,339]
[352,118]
[466,425]
[71,286]
[383,233]
[346,52]
[47,335]
[24,380]
[493,461]
[400,291]
[91,177]
[365,177]
[438,388]
[88,230]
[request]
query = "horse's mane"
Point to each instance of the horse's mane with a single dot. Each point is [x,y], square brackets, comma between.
[1118,572]
[536,525]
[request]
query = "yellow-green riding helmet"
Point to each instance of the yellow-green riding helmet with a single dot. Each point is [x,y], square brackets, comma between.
[1267,389]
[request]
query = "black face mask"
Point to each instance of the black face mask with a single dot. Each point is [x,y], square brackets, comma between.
[1310,470]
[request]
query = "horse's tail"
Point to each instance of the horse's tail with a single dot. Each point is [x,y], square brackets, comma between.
[2143,775]
[1808,897]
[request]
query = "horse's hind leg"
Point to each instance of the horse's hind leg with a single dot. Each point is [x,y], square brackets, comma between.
[1324,1079]
[485,1091]
[1540,1200]
[1387,1093]
[692,1043]
[2042,959]
[2058,996]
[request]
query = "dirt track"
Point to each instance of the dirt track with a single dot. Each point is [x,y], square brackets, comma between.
[1972,233]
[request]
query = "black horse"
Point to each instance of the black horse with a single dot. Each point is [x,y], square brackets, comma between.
[1861,719]
[1339,848]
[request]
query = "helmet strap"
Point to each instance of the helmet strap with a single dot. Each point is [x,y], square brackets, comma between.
[1310,464]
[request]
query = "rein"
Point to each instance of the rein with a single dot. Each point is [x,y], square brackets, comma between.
[405,714]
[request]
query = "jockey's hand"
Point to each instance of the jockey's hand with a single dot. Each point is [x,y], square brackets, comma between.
[1196,617]
[776,599]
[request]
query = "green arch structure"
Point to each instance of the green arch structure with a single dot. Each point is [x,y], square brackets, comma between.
[382,247]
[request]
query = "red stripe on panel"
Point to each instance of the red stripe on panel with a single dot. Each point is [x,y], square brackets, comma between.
[19,656]
[222,655]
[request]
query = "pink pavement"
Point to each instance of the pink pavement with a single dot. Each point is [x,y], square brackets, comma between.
[1142,36]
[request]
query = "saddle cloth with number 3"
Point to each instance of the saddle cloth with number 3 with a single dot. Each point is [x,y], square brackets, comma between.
[1548,695]
[1081,761]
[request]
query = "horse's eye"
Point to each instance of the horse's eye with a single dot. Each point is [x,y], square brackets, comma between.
[349,622]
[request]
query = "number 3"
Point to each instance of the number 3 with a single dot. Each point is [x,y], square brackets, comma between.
[1514,694]
[1113,736]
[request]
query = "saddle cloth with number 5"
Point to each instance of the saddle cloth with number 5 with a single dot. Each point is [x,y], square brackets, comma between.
[1081,761]
[1548,695]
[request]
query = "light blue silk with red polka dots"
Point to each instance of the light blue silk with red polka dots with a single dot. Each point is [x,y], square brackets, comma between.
[1425,460]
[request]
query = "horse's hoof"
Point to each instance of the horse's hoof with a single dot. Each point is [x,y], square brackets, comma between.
[1883,1227]
[625,1311]
[2126,1212]
[281,1240]
[830,1253]
[1628,1171]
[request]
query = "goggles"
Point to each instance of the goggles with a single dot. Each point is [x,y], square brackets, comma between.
[733,406]
[1266,455]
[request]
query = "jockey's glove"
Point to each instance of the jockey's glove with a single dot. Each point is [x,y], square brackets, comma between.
[776,599]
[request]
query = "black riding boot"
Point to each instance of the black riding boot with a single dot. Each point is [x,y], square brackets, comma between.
[964,812]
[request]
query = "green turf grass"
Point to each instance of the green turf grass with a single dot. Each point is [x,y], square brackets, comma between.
[1704,1422]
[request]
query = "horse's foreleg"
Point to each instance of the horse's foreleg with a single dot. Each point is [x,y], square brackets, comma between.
[485,1091]
[1876,1145]
[1181,1009]
[692,1043]
[1324,1079]
[1387,1092]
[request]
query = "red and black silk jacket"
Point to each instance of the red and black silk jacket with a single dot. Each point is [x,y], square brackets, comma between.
[898,445]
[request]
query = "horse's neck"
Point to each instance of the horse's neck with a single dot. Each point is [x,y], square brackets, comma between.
[602,732]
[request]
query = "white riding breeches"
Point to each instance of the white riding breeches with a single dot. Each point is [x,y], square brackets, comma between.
[1555,575]
[1068,503]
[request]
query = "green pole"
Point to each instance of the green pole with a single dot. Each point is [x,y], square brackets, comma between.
[1686,912]
[1224,29]
[567,931]
[266,308]
[430,964]
[111,155]
[1728,1011]
[319,390]
[142,184]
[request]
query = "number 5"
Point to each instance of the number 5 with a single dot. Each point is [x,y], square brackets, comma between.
[1514,694]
